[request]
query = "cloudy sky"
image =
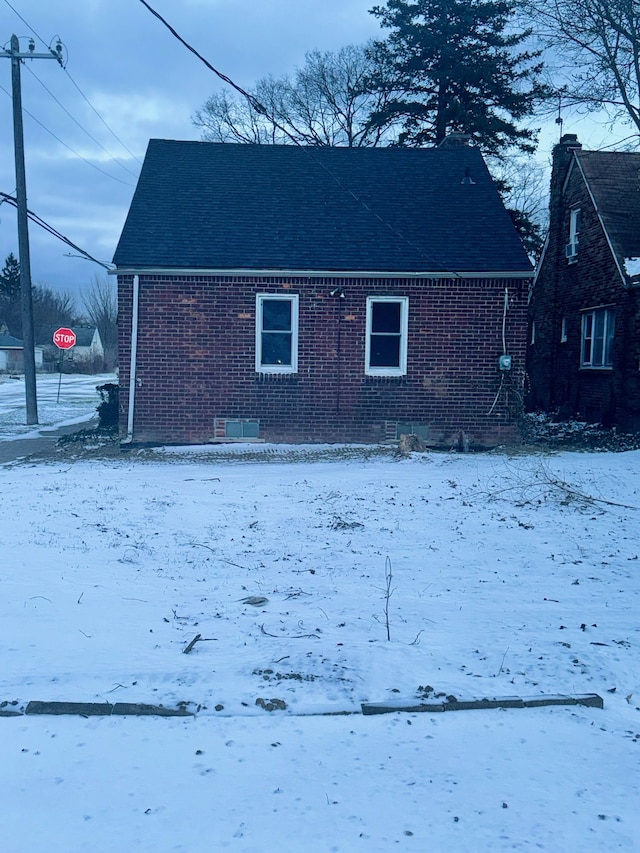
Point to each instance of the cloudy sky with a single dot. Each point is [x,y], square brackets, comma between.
[144,84]
[127,80]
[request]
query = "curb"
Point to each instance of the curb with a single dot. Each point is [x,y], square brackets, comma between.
[97,709]
[140,709]
[589,700]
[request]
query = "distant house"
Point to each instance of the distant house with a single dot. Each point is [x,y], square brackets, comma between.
[319,294]
[88,352]
[12,354]
[88,346]
[584,326]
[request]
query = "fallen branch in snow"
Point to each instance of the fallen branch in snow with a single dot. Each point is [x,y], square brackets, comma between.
[582,496]
[290,637]
[541,484]
[197,639]
[192,644]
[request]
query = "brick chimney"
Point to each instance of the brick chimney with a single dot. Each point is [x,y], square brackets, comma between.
[561,158]
[456,140]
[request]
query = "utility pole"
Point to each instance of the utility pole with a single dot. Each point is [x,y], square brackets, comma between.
[28,341]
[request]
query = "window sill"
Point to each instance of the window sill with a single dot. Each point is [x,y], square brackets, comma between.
[596,369]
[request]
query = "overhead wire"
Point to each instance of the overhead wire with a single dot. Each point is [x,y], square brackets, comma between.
[25,22]
[111,131]
[68,147]
[80,125]
[262,110]
[38,220]
[73,82]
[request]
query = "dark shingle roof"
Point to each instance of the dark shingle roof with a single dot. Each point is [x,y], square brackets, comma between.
[9,342]
[614,179]
[84,335]
[257,207]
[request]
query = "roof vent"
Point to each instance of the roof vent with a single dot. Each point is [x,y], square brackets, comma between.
[467,177]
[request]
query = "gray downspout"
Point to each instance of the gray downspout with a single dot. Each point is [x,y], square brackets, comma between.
[134,356]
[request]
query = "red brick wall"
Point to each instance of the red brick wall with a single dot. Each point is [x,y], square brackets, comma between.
[557,383]
[196,360]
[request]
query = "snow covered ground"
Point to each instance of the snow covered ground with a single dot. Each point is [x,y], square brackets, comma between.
[62,400]
[511,575]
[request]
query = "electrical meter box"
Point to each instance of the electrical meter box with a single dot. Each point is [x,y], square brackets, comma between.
[504,362]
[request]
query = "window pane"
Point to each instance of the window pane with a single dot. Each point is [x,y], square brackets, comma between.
[611,330]
[276,315]
[587,323]
[385,351]
[385,317]
[276,348]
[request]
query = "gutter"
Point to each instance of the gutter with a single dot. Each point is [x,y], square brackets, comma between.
[134,356]
[317,273]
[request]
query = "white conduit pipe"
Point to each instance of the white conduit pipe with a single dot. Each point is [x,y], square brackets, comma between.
[134,356]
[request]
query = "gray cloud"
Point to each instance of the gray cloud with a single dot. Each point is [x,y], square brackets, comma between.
[145,85]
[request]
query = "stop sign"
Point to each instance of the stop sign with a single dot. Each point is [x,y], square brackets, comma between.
[64,338]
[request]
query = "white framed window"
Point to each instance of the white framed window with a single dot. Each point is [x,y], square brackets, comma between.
[563,331]
[598,331]
[276,333]
[571,250]
[386,337]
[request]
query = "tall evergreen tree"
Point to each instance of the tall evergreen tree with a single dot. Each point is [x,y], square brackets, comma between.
[10,297]
[457,67]
[10,278]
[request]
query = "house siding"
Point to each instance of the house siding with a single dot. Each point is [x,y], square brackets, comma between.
[196,360]
[557,382]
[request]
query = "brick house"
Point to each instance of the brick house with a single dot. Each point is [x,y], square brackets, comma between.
[319,294]
[584,325]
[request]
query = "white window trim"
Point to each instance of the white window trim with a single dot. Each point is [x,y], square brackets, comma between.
[401,370]
[609,314]
[261,298]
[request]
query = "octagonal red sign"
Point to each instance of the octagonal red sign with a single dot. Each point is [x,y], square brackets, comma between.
[64,338]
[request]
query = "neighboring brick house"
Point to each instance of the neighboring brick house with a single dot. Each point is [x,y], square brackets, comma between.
[584,326]
[319,294]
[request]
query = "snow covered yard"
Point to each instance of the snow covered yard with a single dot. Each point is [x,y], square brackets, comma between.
[69,399]
[510,576]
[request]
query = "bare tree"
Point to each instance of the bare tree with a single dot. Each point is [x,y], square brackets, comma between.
[326,102]
[50,310]
[100,304]
[523,183]
[595,47]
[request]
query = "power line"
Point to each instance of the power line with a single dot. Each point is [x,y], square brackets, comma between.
[112,132]
[26,23]
[80,125]
[262,110]
[68,147]
[5,197]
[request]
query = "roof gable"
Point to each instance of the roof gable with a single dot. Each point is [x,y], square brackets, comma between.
[614,180]
[208,205]
[7,341]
